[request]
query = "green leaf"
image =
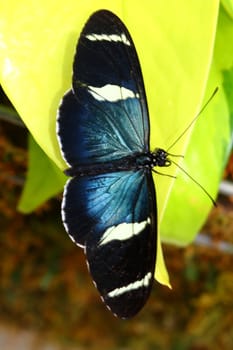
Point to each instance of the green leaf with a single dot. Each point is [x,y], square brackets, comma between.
[44,179]
[228,88]
[208,149]
[228,6]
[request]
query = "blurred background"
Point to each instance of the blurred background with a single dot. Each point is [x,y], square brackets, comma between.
[48,300]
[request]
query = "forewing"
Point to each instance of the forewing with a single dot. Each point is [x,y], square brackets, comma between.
[113,216]
[104,116]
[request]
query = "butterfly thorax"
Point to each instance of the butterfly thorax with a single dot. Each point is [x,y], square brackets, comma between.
[160,158]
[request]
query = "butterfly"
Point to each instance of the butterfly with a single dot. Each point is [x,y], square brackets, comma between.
[109,203]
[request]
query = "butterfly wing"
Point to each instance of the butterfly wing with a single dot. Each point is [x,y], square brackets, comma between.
[114,218]
[104,117]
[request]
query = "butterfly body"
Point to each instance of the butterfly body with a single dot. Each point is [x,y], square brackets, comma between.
[133,162]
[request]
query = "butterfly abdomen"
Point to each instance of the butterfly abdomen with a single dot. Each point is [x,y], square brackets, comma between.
[132,162]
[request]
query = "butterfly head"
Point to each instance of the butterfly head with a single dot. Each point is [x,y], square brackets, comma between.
[160,157]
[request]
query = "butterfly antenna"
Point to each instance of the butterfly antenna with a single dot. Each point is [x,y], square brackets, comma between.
[186,129]
[197,183]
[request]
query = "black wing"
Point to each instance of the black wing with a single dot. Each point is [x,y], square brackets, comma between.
[105,115]
[113,217]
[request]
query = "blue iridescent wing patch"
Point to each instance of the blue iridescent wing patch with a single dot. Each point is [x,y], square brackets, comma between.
[109,204]
[100,131]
